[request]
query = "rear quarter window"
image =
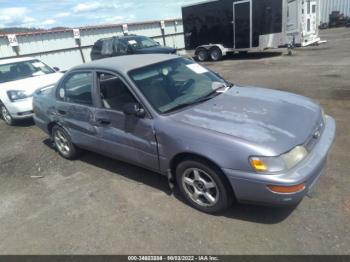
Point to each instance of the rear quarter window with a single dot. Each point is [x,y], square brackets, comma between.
[107,47]
[97,47]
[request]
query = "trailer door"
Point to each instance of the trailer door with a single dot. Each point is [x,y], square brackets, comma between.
[242,24]
[310,27]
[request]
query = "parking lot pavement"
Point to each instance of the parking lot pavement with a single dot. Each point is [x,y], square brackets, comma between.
[96,205]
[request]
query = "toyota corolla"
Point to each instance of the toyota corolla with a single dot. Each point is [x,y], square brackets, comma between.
[216,141]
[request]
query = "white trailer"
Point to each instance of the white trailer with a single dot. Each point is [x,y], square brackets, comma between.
[303,18]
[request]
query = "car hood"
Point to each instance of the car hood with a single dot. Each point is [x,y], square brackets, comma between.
[156,50]
[277,121]
[31,84]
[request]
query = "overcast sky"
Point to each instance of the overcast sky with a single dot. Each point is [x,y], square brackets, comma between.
[73,13]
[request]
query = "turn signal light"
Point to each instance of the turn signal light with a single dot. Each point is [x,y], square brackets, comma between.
[287,189]
[258,164]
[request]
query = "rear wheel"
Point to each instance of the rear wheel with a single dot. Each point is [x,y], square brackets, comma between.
[202,55]
[203,186]
[216,54]
[63,143]
[6,116]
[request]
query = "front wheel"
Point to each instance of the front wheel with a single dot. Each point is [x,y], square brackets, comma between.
[63,143]
[6,116]
[203,186]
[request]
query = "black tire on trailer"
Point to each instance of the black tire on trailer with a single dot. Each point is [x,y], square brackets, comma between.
[216,54]
[202,55]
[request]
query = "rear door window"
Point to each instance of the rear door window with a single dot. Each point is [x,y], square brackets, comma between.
[121,46]
[77,89]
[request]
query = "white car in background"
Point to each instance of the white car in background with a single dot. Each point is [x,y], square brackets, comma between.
[19,78]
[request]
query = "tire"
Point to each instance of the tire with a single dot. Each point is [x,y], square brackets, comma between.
[63,143]
[5,115]
[202,55]
[203,186]
[215,54]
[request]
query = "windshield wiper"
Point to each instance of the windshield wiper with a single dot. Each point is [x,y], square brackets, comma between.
[216,91]
[207,97]
[180,106]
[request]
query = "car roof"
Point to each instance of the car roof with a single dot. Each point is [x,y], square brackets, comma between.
[120,37]
[124,64]
[131,36]
[16,60]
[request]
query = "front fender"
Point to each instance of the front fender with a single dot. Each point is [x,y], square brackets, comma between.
[223,150]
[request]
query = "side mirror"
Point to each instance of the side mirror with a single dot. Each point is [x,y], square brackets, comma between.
[134,109]
[56,69]
[158,43]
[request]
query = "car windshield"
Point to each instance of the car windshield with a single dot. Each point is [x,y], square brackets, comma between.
[140,42]
[177,83]
[22,70]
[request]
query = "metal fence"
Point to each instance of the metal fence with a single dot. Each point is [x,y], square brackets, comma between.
[60,48]
[328,6]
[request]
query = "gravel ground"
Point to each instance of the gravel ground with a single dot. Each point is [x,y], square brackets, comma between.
[97,205]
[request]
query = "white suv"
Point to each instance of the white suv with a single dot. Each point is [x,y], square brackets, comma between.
[19,78]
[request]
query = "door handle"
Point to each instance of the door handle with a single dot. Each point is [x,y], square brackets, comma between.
[61,112]
[103,122]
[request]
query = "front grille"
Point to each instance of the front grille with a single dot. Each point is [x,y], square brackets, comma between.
[312,141]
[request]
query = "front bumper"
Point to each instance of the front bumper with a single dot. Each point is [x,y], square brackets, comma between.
[21,109]
[252,187]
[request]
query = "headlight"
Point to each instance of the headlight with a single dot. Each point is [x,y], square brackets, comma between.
[15,95]
[278,164]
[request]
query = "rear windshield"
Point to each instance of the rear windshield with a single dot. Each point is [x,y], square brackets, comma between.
[23,70]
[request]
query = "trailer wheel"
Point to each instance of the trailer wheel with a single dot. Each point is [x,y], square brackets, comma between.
[202,55]
[215,54]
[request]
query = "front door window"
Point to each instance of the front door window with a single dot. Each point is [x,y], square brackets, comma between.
[114,93]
